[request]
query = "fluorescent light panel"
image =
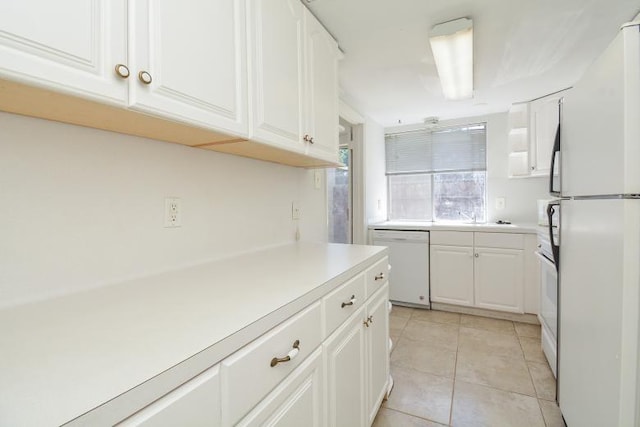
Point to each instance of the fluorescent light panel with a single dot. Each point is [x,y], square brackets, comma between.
[452,46]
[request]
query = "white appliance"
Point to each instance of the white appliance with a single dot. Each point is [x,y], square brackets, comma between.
[409,260]
[599,254]
[548,314]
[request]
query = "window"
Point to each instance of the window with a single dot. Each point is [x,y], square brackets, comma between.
[437,174]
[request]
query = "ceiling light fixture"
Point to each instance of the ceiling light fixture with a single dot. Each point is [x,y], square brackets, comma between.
[452,46]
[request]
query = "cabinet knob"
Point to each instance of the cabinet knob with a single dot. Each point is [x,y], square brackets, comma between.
[145,77]
[122,70]
[308,138]
[351,301]
[477,255]
[533,167]
[291,355]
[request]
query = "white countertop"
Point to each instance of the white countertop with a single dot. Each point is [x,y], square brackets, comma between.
[63,357]
[455,226]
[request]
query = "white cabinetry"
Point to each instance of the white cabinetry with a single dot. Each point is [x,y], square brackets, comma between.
[377,360]
[452,274]
[484,270]
[293,90]
[345,353]
[544,125]
[71,47]
[322,90]
[532,131]
[297,401]
[196,403]
[194,53]
[178,72]
[357,365]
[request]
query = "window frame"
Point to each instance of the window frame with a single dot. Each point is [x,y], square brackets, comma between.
[431,180]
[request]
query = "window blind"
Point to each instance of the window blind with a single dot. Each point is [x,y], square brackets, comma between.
[453,149]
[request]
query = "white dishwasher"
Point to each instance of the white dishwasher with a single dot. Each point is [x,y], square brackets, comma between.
[409,260]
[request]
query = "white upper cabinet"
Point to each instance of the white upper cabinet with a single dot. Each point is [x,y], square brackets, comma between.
[70,45]
[544,124]
[322,90]
[188,61]
[532,132]
[293,90]
[257,78]
[276,43]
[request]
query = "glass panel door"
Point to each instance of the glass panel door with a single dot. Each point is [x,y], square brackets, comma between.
[339,199]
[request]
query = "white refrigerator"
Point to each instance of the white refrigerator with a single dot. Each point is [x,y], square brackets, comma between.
[599,233]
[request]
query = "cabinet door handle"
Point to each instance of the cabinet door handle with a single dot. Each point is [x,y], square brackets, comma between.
[366,322]
[145,77]
[308,138]
[291,355]
[351,301]
[379,276]
[122,70]
[370,319]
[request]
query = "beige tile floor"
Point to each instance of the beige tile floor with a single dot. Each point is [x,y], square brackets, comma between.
[461,370]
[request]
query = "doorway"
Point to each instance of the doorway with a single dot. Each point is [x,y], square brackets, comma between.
[340,189]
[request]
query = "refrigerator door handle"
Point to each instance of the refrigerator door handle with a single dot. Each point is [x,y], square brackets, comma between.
[555,248]
[554,154]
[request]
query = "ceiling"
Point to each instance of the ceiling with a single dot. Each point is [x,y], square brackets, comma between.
[523,49]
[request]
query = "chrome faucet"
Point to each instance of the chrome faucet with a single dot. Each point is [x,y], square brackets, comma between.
[471,218]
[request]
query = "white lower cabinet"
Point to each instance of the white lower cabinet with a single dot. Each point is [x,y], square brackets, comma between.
[499,279]
[327,365]
[451,274]
[377,338]
[357,364]
[345,353]
[297,401]
[196,403]
[487,272]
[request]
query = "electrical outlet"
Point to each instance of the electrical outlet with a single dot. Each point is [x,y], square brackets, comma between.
[172,212]
[500,203]
[295,210]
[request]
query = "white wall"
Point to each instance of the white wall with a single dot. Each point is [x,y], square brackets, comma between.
[375,179]
[83,208]
[520,194]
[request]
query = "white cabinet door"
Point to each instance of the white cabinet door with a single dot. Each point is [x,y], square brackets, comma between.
[499,279]
[345,354]
[276,43]
[321,59]
[196,403]
[544,123]
[377,350]
[70,45]
[297,401]
[452,274]
[194,52]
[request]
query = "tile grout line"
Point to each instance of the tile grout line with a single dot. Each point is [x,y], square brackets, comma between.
[455,368]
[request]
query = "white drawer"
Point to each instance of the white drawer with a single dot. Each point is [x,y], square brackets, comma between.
[451,238]
[247,375]
[343,302]
[499,240]
[377,276]
[195,403]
